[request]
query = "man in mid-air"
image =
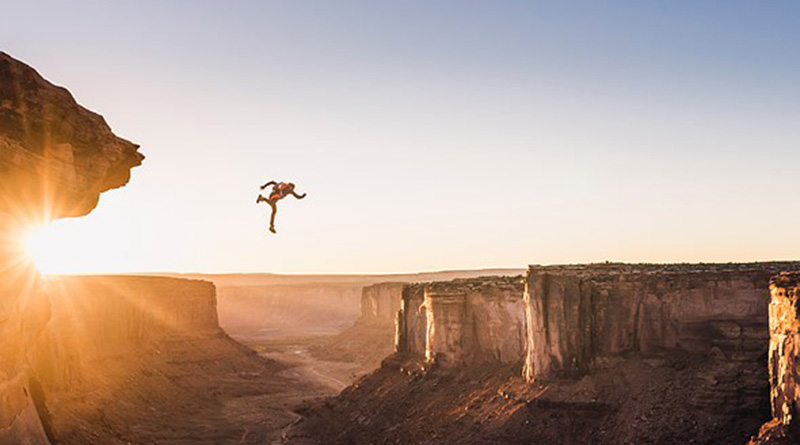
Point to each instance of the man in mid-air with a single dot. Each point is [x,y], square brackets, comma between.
[279,191]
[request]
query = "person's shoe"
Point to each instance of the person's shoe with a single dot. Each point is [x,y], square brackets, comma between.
[272,229]
[259,199]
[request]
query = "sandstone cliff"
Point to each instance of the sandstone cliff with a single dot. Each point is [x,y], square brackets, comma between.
[143,360]
[97,319]
[784,361]
[463,321]
[56,158]
[380,302]
[411,324]
[613,353]
[577,314]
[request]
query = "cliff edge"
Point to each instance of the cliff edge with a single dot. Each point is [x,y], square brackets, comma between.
[56,157]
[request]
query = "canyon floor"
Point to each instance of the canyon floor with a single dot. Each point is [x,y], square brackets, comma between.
[206,391]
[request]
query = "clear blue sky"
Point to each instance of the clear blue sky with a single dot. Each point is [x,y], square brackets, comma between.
[431,134]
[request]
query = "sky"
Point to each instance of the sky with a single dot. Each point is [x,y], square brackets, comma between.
[429,135]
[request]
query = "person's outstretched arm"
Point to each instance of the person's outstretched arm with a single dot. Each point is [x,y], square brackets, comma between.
[268,184]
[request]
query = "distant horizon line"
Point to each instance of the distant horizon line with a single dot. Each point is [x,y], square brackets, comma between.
[425,272]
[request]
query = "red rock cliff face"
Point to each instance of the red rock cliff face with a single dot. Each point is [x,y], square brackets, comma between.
[784,356]
[411,324]
[463,321]
[578,313]
[100,332]
[56,158]
[94,319]
[380,302]
[784,349]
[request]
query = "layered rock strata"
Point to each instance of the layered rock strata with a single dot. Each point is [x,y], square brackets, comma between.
[465,321]
[576,314]
[660,354]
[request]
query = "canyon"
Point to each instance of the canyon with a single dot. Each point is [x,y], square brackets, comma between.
[603,353]
[143,360]
[109,359]
[255,307]
[599,353]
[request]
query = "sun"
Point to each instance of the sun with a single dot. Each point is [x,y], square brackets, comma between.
[47,249]
[70,247]
[34,246]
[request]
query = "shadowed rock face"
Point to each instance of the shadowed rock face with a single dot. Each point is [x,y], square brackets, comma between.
[579,313]
[411,323]
[56,157]
[380,302]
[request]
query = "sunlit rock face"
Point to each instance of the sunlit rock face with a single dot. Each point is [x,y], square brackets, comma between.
[784,348]
[105,329]
[56,158]
[463,321]
[577,314]
[24,313]
[784,361]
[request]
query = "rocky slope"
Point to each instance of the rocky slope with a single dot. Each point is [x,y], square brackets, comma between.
[372,337]
[143,360]
[634,400]
[56,158]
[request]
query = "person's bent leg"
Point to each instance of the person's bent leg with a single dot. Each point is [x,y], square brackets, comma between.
[272,217]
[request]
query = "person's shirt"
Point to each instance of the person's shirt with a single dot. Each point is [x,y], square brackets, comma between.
[280,189]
